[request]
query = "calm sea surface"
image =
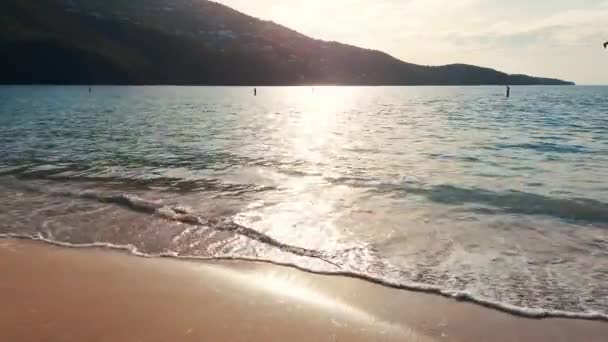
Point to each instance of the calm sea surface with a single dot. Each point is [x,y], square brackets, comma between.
[456,190]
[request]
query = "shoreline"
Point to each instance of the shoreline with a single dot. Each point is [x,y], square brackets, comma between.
[527,313]
[119,297]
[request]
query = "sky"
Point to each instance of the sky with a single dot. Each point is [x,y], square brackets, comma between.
[551,38]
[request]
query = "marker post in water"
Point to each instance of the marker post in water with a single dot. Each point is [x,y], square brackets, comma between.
[508,91]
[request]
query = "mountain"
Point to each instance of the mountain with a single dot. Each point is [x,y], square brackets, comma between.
[194,42]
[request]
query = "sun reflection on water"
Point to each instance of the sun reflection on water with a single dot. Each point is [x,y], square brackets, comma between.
[313,132]
[316,121]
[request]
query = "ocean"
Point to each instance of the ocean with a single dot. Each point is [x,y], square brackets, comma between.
[453,190]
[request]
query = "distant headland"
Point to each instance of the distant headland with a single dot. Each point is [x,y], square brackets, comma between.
[195,42]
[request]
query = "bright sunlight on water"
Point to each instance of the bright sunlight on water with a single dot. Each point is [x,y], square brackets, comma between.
[456,190]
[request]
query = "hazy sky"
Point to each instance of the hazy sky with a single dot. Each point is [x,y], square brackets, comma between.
[553,38]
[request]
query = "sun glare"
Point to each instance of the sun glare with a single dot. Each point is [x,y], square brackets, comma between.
[320,110]
[294,289]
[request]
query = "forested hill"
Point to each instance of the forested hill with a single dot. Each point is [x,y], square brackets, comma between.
[194,42]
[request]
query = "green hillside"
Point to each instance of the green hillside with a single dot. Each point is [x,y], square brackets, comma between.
[193,42]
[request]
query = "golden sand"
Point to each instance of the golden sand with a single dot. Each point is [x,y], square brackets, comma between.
[50,293]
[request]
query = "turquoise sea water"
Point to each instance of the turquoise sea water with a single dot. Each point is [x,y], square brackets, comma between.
[456,190]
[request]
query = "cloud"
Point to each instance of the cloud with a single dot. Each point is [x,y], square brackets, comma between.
[543,37]
[568,28]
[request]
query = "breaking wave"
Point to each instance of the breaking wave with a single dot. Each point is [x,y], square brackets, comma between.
[334,260]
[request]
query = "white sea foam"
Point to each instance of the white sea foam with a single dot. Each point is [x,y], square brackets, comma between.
[458,295]
[439,189]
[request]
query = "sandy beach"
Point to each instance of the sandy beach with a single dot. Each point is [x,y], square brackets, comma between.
[237,170]
[51,293]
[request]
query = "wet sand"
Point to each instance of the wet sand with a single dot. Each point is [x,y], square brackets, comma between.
[50,293]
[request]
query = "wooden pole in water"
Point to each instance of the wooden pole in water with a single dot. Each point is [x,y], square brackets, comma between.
[255,91]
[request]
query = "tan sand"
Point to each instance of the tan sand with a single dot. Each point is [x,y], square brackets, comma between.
[52,294]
